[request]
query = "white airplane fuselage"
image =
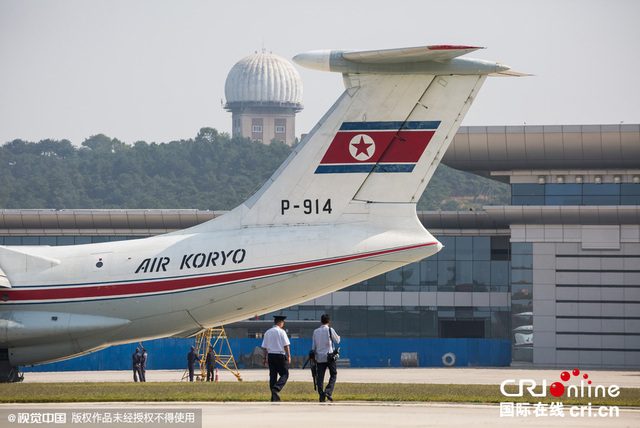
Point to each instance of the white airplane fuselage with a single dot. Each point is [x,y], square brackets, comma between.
[341,209]
[178,284]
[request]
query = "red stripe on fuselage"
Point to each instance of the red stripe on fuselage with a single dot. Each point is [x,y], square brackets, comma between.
[130,289]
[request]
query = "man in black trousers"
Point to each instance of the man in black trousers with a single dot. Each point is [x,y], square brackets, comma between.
[277,355]
[143,366]
[210,362]
[192,357]
[323,339]
[136,359]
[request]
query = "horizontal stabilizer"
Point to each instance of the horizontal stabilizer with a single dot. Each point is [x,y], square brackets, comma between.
[417,54]
[433,60]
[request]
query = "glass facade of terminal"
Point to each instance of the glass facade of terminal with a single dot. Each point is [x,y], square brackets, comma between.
[407,302]
[522,301]
[479,263]
[575,194]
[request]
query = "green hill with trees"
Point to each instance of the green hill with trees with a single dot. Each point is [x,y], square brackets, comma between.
[210,172]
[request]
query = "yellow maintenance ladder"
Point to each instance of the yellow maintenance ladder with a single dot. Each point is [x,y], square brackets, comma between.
[221,349]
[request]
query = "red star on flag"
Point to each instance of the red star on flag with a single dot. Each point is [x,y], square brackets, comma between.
[362,147]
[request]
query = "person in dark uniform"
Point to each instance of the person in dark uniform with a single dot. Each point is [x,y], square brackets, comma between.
[210,362]
[143,366]
[192,357]
[136,358]
[323,339]
[277,355]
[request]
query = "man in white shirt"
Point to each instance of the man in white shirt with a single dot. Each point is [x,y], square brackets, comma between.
[277,355]
[323,338]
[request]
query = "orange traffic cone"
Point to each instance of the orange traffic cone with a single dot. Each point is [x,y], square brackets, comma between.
[217,378]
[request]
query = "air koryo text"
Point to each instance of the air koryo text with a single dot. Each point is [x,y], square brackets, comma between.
[194,261]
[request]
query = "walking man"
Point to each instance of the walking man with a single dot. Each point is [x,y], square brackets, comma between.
[277,355]
[210,362]
[192,357]
[136,359]
[323,338]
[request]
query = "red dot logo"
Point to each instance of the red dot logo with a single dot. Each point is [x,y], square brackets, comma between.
[556,389]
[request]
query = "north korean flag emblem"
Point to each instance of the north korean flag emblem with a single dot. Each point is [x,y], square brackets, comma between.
[386,147]
[362,147]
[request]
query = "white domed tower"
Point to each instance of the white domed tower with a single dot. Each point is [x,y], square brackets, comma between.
[264,93]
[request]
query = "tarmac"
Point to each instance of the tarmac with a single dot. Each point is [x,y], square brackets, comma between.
[354,414]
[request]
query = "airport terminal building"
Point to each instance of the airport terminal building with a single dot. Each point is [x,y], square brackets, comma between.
[552,280]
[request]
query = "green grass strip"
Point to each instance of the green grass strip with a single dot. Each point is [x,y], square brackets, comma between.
[293,392]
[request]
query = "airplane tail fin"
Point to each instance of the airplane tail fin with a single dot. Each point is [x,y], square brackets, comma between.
[380,142]
[17,260]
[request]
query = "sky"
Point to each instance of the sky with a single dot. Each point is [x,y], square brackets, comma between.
[154,70]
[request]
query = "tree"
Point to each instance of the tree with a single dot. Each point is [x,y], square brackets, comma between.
[211,171]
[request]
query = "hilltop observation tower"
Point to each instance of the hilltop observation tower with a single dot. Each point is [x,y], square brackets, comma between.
[264,92]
